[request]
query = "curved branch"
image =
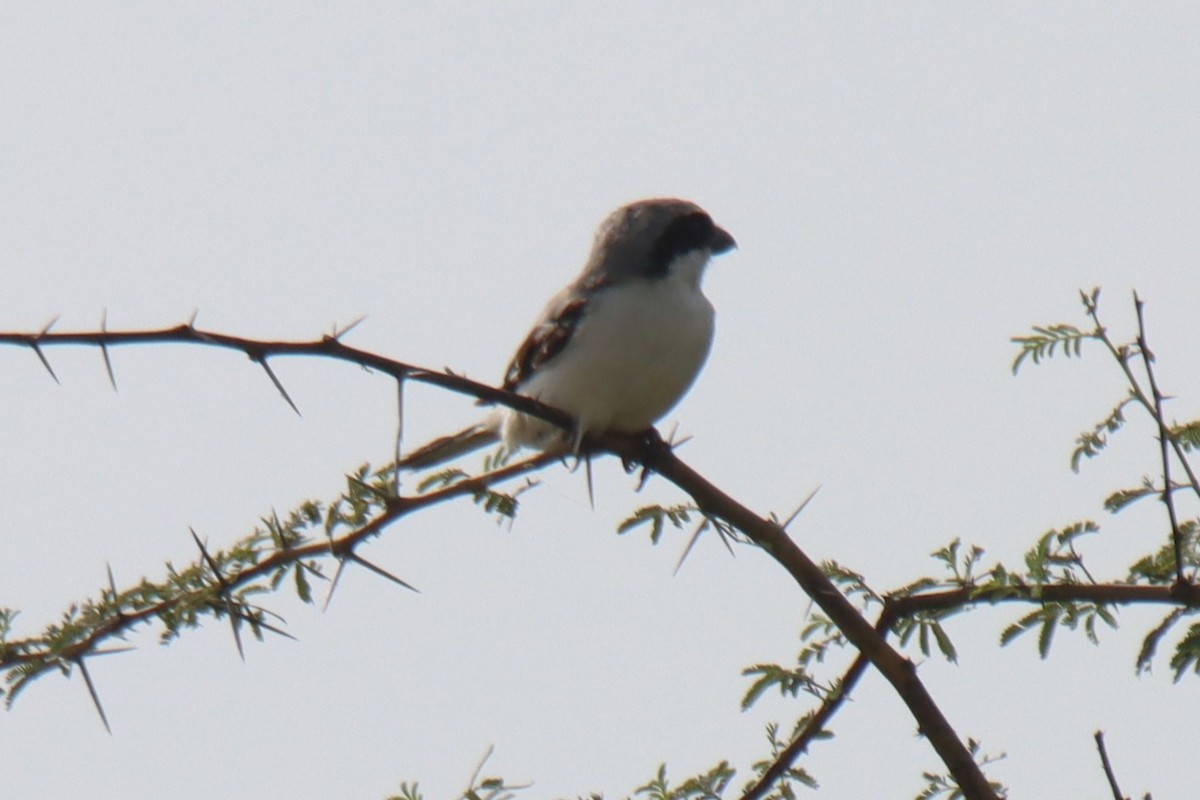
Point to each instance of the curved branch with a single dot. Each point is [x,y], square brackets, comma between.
[1180,594]
[15,654]
[260,350]
[895,668]
[654,455]
[813,728]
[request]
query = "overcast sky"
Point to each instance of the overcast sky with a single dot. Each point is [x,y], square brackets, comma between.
[909,185]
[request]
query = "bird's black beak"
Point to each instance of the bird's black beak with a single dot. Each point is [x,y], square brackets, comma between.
[721,241]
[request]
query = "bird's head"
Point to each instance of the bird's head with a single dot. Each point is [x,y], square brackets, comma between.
[645,239]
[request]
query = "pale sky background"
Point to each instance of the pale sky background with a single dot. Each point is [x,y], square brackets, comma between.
[910,186]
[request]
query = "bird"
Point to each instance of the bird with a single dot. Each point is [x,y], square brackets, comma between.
[619,346]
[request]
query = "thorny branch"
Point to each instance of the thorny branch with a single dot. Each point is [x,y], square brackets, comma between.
[1164,436]
[261,351]
[653,455]
[24,652]
[1153,404]
[1109,774]
[1182,593]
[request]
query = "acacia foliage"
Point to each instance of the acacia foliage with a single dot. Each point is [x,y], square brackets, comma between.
[1052,588]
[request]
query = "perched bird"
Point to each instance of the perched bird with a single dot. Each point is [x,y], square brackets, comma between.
[620,345]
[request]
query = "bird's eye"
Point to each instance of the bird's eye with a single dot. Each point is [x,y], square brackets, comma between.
[684,234]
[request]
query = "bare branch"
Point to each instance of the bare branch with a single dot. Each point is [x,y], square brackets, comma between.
[1164,435]
[257,350]
[1108,770]
[812,729]
[898,670]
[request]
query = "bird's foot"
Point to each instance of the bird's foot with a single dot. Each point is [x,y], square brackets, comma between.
[648,441]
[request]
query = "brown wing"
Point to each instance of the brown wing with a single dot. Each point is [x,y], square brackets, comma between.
[544,342]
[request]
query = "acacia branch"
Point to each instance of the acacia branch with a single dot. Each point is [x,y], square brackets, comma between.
[259,350]
[1152,403]
[870,640]
[768,535]
[1164,435]
[900,607]
[657,457]
[1178,594]
[16,653]
[1182,594]
[830,705]
[1108,770]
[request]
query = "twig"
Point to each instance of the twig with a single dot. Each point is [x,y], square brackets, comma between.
[895,668]
[27,652]
[1108,770]
[815,725]
[258,350]
[1164,436]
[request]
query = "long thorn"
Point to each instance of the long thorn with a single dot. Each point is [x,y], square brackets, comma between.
[278,385]
[587,461]
[266,625]
[691,543]
[799,508]
[724,538]
[207,558]
[337,335]
[235,623]
[111,651]
[112,379]
[230,609]
[91,687]
[356,558]
[399,432]
[42,356]
[337,576]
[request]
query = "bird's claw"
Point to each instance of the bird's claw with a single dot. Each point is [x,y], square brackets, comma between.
[649,439]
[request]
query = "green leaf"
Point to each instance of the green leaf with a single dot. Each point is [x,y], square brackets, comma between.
[1020,627]
[652,515]
[657,517]
[789,681]
[1050,618]
[1089,443]
[441,479]
[1186,435]
[303,589]
[943,642]
[1045,341]
[1187,653]
[1121,498]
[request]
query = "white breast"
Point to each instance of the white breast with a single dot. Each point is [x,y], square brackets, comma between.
[634,354]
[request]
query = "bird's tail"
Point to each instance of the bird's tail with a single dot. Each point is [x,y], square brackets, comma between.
[450,447]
